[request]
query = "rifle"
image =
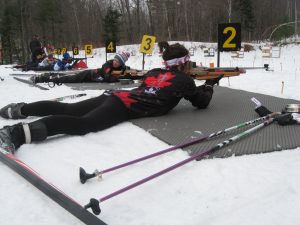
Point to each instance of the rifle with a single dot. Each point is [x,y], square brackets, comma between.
[129,73]
[198,73]
[202,73]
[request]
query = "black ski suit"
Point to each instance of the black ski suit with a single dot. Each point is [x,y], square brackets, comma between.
[35,49]
[160,92]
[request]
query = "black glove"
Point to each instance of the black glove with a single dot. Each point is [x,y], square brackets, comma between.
[286,119]
[202,97]
[212,82]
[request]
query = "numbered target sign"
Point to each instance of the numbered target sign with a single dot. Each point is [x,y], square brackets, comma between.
[75,51]
[147,44]
[58,51]
[229,37]
[110,47]
[63,50]
[88,49]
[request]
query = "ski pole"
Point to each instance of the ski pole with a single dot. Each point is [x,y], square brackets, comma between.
[85,176]
[94,204]
[68,96]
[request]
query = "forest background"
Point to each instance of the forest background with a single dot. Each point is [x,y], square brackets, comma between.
[71,23]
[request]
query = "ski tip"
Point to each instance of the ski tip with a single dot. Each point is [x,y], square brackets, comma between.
[94,204]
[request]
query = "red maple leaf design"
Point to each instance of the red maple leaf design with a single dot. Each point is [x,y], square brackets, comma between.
[160,81]
[107,70]
[124,96]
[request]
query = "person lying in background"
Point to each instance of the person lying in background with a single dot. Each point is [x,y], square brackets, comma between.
[103,74]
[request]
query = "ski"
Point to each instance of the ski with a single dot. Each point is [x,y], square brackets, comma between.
[23,74]
[46,72]
[30,83]
[59,99]
[48,189]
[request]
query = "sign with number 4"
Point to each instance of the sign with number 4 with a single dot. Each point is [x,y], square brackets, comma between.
[110,47]
[147,44]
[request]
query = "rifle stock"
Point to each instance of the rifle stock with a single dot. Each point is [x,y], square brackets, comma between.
[210,73]
[131,72]
[198,73]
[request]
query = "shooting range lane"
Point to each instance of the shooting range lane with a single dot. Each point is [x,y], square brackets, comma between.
[228,107]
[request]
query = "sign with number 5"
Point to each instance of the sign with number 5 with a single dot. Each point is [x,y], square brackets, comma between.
[229,37]
[147,44]
[88,49]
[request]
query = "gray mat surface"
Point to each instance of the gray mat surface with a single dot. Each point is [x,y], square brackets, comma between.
[228,107]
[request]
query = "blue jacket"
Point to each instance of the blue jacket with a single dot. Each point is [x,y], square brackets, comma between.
[62,65]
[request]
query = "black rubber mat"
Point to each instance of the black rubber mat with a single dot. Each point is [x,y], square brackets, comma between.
[228,107]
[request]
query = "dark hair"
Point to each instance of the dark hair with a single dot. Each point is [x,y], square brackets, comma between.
[172,51]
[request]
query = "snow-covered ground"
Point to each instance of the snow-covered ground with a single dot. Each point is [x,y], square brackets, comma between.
[249,190]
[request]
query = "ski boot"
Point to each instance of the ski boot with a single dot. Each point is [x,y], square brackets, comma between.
[12,111]
[12,137]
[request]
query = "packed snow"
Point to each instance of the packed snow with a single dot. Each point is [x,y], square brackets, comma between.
[249,190]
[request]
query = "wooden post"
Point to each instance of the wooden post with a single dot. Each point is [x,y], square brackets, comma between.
[143,61]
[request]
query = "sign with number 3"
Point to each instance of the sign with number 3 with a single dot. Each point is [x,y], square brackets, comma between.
[147,44]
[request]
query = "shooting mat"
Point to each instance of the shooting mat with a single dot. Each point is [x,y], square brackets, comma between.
[228,107]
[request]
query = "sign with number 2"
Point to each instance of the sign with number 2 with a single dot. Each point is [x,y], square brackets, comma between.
[229,37]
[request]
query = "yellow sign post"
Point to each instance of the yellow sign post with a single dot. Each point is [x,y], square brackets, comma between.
[63,50]
[88,50]
[75,50]
[147,46]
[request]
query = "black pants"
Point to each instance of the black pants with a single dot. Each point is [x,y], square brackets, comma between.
[80,118]
[81,77]
[84,76]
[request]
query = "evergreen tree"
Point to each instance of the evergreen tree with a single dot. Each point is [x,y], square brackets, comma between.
[8,30]
[47,13]
[244,9]
[284,31]
[111,25]
[247,15]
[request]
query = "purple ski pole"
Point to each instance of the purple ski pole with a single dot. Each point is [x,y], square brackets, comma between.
[94,204]
[85,176]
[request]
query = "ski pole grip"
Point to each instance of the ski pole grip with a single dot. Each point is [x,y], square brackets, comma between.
[85,176]
[94,205]
[262,111]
